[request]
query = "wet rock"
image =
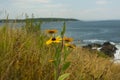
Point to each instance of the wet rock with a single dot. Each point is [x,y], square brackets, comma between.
[107,48]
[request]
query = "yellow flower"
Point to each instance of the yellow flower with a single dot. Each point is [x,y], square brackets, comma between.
[54,40]
[66,39]
[51,60]
[53,31]
[71,45]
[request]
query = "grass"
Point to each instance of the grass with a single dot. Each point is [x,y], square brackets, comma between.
[24,56]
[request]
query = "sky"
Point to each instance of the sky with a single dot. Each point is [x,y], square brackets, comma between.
[78,9]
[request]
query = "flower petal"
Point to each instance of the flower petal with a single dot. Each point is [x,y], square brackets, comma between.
[48,42]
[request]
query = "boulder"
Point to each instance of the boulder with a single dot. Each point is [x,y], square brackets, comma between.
[107,48]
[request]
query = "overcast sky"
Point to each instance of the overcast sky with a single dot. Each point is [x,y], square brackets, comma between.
[79,9]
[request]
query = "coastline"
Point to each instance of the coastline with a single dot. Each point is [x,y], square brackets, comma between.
[95,45]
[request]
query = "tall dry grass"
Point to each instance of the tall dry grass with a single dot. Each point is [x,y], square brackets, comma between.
[24,56]
[88,66]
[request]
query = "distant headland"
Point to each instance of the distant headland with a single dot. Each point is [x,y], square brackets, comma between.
[39,19]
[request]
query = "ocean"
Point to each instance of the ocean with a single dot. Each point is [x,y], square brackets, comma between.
[89,32]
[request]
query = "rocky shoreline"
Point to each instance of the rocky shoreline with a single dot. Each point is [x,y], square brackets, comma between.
[107,48]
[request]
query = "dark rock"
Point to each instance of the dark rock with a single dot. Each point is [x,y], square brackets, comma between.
[96,45]
[88,46]
[108,48]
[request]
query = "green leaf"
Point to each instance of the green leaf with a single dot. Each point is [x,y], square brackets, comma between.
[66,53]
[57,57]
[65,66]
[62,77]
[64,29]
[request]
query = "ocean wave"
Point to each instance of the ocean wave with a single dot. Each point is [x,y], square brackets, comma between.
[117,54]
[94,41]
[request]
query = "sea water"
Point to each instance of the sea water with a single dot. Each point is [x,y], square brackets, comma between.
[91,32]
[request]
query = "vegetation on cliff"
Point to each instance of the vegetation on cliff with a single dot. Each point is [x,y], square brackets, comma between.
[39,19]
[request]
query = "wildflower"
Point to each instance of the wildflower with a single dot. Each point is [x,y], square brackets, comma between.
[54,40]
[70,45]
[53,31]
[66,39]
[51,60]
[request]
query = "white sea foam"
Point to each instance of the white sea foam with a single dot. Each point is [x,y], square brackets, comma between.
[94,41]
[112,43]
[117,54]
